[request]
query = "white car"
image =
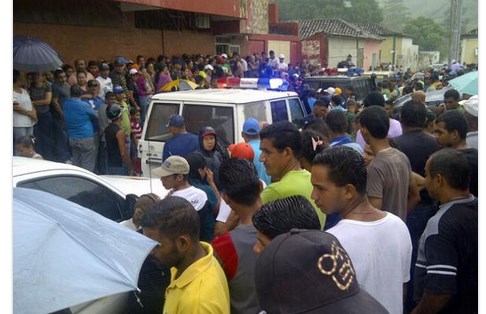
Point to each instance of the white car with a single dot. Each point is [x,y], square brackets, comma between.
[223,109]
[111,196]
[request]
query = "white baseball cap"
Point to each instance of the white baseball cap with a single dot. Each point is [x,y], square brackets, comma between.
[471,105]
[281,56]
[208,67]
[224,56]
[133,71]
[330,90]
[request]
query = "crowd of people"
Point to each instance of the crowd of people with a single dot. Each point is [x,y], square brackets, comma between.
[363,210]
[398,214]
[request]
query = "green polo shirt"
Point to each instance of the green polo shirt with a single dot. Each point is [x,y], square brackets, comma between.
[296,182]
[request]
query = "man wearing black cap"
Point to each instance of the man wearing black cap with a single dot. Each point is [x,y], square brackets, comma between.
[181,143]
[308,271]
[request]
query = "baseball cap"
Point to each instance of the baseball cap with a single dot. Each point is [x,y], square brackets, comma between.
[119,61]
[207,130]
[308,119]
[251,126]
[471,105]
[117,89]
[175,121]
[208,67]
[133,71]
[321,280]
[281,56]
[330,90]
[242,150]
[326,100]
[172,165]
[224,56]
[104,66]
[338,91]
[113,112]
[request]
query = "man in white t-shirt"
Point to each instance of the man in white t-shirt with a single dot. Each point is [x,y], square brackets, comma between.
[377,242]
[106,85]
[282,66]
[173,174]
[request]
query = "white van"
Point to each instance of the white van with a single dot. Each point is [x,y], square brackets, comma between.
[223,109]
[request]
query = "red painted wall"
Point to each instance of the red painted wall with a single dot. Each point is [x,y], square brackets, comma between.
[229,8]
[96,43]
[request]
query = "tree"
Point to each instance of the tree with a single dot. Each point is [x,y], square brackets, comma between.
[354,11]
[427,34]
[397,15]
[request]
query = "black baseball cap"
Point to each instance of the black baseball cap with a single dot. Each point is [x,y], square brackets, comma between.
[308,271]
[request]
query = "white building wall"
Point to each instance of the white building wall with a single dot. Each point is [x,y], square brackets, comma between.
[340,48]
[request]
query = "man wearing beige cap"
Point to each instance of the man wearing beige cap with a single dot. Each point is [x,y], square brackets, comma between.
[173,173]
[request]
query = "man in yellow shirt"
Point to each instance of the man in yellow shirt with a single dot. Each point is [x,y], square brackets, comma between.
[198,283]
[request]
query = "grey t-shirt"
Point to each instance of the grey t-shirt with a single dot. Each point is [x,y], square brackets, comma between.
[388,178]
[39,93]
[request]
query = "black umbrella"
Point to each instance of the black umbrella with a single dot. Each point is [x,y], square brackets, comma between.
[34,55]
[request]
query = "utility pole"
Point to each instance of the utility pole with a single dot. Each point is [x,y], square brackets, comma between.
[455,31]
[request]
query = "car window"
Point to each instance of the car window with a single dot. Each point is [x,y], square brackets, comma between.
[157,125]
[315,85]
[279,110]
[220,118]
[255,110]
[296,112]
[84,192]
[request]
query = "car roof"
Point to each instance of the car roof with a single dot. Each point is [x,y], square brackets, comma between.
[24,168]
[137,185]
[219,95]
[24,165]
[432,96]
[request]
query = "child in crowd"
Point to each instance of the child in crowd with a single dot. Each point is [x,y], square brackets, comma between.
[207,147]
[135,137]
[24,145]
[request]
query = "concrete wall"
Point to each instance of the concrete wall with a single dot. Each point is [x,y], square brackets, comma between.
[405,53]
[311,51]
[427,58]
[371,47]
[340,48]
[280,46]
[469,48]
[257,18]
[96,43]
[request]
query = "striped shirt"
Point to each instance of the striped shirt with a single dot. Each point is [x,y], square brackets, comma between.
[447,261]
